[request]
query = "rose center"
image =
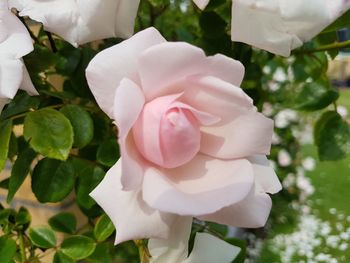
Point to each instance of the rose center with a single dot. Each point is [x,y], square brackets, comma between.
[167,136]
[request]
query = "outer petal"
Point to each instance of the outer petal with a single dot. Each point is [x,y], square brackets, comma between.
[133,164]
[75,20]
[175,248]
[254,210]
[164,65]
[132,218]
[27,84]
[11,74]
[204,184]
[279,26]
[246,135]
[208,249]
[217,97]
[129,101]
[110,66]
[16,41]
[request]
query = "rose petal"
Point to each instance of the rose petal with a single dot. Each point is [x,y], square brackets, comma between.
[208,249]
[129,101]
[217,97]
[164,65]
[27,84]
[17,42]
[174,248]
[280,26]
[109,67]
[251,212]
[11,74]
[132,217]
[265,175]
[226,69]
[247,135]
[125,20]
[133,164]
[204,184]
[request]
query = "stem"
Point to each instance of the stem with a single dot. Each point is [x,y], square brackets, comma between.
[21,248]
[52,42]
[335,45]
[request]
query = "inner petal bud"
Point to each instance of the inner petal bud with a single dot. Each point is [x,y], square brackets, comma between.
[179,137]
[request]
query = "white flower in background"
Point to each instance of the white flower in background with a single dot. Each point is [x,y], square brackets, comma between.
[206,249]
[280,26]
[201,3]
[309,163]
[343,111]
[15,43]
[80,22]
[285,117]
[284,158]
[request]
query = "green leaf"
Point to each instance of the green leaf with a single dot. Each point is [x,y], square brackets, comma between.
[89,176]
[42,236]
[332,137]
[103,228]
[315,96]
[63,222]
[102,253]
[83,126]
[62,258]
[49,132]
[5,136]
[52,180]
[7,249]
[23,218]
[21,103]
[341,22]
[108,152]
[212,25]
[78,247]
[20,171]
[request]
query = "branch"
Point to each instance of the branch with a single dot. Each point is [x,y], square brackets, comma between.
[335,45]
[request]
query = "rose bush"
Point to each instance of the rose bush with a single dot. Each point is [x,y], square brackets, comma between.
[15,42]
[192,143]
[75,21]
[206,249]
[280,26]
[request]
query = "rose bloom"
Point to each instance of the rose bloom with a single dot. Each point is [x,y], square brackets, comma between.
[79,22]
[192,143]
[15,42]
[280,26]
[206,248]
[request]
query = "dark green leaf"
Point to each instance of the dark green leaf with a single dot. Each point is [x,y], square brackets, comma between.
[82,123]
[52,180]
[63,222]
[42,237]
[20,171]
[341,22]
[102,253]
[212,25]
[49,132]
[23,217]
[62,258]
[103,228]
[315,96]
[5,136]
[332,137]
[78,247]
[108,152]
[7,249]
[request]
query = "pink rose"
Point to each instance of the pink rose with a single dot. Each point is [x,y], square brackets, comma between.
[192,143]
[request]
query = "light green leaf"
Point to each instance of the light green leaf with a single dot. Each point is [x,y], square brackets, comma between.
[103,228]
[42,237]
[49,132]
[62,258]
[5,136]
[78,247]
[7,249]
